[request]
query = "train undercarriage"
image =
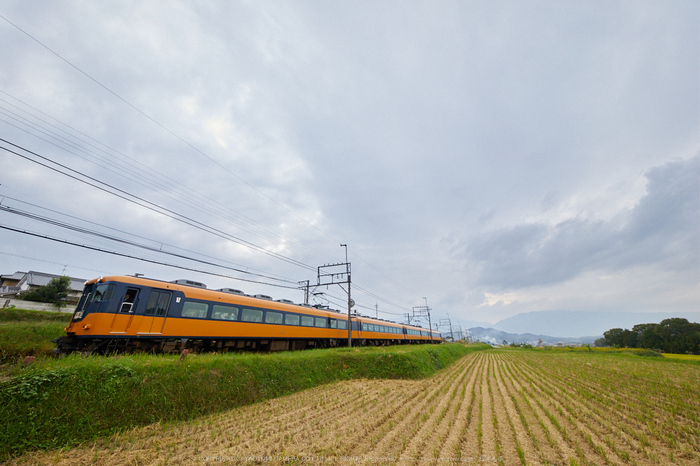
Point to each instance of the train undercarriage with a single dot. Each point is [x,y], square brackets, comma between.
[86,346]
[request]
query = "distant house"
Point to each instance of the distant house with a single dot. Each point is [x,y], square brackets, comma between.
[8,283]
[11,285]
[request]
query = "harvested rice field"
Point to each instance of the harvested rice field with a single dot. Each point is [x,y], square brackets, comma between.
[507,407]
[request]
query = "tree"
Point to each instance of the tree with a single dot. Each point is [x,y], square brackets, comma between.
[613,337]
[629,339]
[648,336]
[675,335]
[54,292]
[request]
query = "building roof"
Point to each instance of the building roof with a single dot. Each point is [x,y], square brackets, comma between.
[15,276]
[33,278]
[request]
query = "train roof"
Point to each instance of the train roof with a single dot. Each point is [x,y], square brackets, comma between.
[198,290]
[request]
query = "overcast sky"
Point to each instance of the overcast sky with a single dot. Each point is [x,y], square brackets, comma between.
[492,157]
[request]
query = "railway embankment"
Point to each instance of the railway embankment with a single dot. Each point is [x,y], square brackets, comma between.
[57,403]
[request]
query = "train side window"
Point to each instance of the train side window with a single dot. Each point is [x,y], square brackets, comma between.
[334,323]
[195,309]
[291,319]
[322,322]
[129,300]
[307,321]
[364,326]
[219,312]
[251,315]
[343,324]
[163,304]
[273,317]
[158,303]
[103,293]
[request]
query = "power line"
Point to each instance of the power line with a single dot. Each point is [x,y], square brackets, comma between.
[161,125]
[159,178]
[124,232]
[181,139]
[151,261]
[49,262]
[127,242]
[147,204]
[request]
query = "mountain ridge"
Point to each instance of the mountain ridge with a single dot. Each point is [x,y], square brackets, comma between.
[494,336]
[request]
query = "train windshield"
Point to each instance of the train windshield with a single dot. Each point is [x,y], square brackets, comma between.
[103,293]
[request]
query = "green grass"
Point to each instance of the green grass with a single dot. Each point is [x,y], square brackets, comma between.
[21,315]
[58,403]
[29,333]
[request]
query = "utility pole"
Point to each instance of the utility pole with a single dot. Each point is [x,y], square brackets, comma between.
[338,274]
[305,286]
[447,322]
[376,310]
[419,311]
[450,321]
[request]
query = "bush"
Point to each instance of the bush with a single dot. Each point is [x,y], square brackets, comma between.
[55,292]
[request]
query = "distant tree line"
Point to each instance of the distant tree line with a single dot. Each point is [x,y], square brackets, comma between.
[674,335]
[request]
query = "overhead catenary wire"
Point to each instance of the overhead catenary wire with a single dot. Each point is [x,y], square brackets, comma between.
[145,203]
[5,253]
[78,229]
[358,287]
[144,114]
[155,179]
[5,197]
[129,256]
[181,139]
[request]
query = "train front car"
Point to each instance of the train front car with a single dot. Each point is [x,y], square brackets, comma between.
[114,313]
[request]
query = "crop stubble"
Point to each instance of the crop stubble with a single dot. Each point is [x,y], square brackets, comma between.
[488,408]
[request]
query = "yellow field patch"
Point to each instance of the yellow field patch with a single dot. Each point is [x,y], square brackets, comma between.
[686,357]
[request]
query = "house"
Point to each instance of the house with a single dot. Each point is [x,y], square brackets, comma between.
[11,285]
[8,283]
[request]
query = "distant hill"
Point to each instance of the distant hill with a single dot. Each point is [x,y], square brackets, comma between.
[491,335]
[582,323]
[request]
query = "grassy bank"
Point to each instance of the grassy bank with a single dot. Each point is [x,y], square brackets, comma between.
[29,333]
[62,402]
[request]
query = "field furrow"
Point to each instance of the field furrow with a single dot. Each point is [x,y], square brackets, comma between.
[491,407]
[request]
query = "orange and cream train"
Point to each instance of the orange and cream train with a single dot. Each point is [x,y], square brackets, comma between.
[124,313]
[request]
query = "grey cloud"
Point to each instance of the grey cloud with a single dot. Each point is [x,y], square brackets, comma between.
[662,229]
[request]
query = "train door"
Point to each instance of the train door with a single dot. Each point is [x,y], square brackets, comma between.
[125,314]
[156,312]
